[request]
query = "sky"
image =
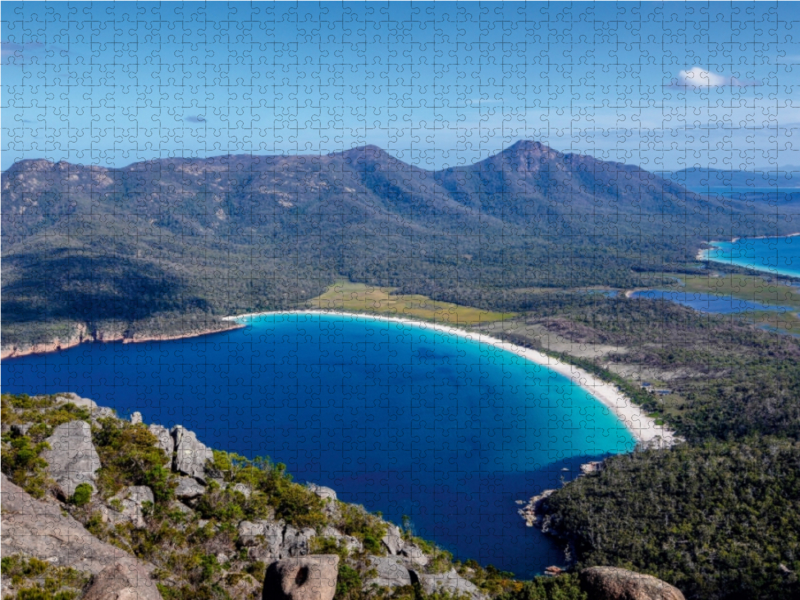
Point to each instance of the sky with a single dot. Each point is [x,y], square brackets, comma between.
[661,85]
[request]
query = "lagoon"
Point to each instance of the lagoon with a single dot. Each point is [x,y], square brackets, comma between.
[709,303]
[403,419]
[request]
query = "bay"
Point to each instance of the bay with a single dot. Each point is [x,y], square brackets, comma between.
[777,255]
[402,419]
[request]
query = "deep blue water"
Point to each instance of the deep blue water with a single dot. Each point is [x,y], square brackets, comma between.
[708,303]
[778,255]
[399,418]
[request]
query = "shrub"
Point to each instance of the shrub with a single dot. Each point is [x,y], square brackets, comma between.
[83,495]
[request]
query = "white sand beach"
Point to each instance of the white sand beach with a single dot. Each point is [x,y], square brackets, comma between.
[642,427]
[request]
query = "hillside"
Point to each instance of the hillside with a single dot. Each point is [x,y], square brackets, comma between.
[100,508]
[167,246]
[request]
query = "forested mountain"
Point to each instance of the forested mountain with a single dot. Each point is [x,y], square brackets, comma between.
[115,247]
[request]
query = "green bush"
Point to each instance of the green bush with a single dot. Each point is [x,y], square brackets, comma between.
[22,463]
[83,495]
[348,584]
[129,456]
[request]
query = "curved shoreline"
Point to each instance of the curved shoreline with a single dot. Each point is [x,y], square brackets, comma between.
[702,254]
[642,427]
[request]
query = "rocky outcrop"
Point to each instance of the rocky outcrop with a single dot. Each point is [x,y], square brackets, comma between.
[351,543]
[325,493]
[306,578]
[191,454]
[72,458]
[128,505]
[189,490]
[97,412]
[296,542]
[533,512]
[244,490]
[123,581]
[450,582]
[265,537]
[393,540]
[136,418]
[414,554]
[389,572]
[165,441]
[611,583]
[37,528]
[270,540]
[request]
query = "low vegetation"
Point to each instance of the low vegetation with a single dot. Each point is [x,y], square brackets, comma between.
[35,579]
[357,297]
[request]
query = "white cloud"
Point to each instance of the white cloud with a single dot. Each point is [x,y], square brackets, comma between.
[698,78]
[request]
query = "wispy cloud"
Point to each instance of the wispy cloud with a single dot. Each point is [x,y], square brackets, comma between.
[15,52]
[195,119]
[697,78]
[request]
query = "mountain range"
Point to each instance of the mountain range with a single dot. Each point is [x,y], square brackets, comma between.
[117,248]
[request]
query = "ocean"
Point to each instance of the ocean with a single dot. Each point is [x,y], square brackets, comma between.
[777,255]
[399,418]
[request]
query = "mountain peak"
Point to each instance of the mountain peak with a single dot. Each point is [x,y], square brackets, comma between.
[530,147]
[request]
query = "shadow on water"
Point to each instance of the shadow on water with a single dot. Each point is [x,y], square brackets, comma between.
[479,528]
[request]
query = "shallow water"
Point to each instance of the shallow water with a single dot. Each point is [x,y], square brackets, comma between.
[777,255]
[396,417]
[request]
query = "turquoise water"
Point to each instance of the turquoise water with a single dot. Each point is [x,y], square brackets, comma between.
[399,418]
[778,255]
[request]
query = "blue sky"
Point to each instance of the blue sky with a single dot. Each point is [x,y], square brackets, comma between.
[665,86]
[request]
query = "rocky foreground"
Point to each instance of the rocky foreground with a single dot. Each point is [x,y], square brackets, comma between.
[100,508]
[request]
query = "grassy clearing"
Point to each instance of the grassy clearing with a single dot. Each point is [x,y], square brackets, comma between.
[357,297]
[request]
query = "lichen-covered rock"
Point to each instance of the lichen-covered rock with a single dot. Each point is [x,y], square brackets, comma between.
[36,528]
[128,505]
[389,572]
[191,454]
[351,543]
[243,489]
[264,538]
[72,459]
[97,412]
[306,578]
[450,582]
[325,493]
[612,583]
[414,554]
[189,489]
[165,441]
[393,540]
[123,581]
[296,541]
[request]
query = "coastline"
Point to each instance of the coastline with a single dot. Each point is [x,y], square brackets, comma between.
[81,337]
[702,254]
[642,427]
